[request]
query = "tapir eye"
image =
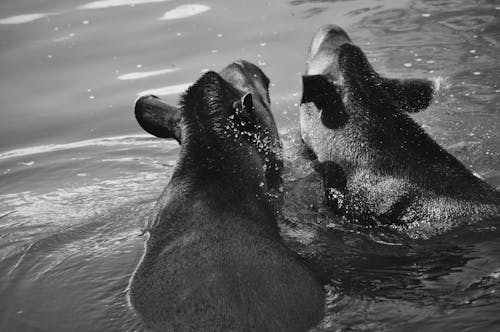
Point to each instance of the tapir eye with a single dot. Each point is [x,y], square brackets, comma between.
[327,97]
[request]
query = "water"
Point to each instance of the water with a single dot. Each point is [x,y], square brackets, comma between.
[79,177]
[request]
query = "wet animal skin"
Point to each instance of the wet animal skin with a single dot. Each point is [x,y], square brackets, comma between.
[214,259]
[163,120]
[379,166]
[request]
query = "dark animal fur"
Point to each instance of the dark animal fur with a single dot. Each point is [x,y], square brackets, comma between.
[391,171]
[214,260]
[163,120]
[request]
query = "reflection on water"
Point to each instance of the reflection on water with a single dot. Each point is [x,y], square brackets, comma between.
[145,74]
[166,90]
[184,11]
[18,19]
[116,3]
[79,177]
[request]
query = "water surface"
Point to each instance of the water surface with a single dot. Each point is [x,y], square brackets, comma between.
[78,176]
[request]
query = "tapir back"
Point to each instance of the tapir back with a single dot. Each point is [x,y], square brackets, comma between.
[218,271]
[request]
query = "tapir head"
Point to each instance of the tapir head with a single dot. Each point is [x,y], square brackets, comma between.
[209,109]
[351,115]
[236,99]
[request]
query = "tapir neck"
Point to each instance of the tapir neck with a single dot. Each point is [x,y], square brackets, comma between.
[231,166]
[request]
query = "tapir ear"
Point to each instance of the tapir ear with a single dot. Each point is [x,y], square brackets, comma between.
[243,109]
[327,97]
[158,118]
[247,102]
[244,105]
[412,95]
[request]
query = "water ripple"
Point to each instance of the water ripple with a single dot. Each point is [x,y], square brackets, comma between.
[467,22]
[128,140]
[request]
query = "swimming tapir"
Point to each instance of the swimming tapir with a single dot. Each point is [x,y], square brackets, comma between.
[214,259]
[378,165]
[163,120]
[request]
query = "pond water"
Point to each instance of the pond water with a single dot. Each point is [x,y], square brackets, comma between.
[78,176]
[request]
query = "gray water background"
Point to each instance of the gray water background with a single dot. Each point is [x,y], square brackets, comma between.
[78,176]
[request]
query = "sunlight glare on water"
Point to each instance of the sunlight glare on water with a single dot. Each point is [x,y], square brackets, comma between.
[79,177]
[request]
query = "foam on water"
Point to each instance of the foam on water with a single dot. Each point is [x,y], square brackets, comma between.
[441,85]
